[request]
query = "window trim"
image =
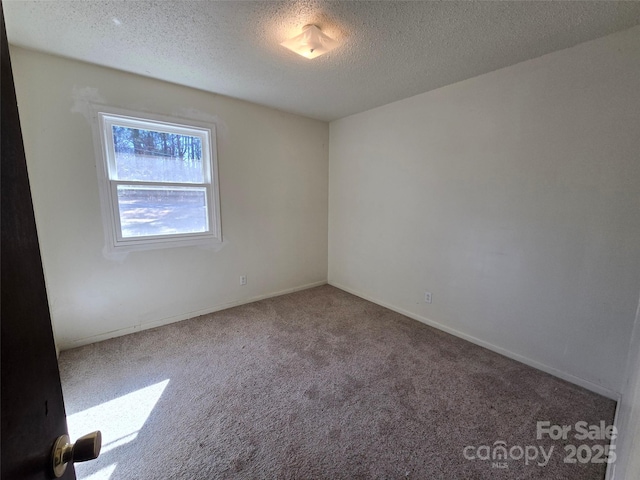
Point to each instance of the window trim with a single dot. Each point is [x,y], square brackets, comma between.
[103,118]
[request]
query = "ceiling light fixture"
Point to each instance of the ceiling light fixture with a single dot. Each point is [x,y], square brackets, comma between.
[311,43]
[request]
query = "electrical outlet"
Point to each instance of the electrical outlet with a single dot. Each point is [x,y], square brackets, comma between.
[243,279]
[427,297]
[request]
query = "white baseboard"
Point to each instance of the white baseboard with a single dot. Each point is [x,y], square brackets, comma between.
[507,353]
[177,318]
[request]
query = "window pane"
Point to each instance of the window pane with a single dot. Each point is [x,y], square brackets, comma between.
[156,156]
[148,211]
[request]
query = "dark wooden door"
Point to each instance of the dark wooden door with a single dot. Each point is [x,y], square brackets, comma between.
[32,408]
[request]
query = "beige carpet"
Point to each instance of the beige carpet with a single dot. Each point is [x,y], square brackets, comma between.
[318,384]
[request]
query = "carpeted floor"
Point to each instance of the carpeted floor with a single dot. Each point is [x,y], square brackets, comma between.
[318,384]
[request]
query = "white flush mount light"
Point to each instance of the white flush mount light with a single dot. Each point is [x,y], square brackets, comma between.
[311,43]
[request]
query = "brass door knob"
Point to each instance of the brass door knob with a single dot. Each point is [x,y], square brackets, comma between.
[85,448]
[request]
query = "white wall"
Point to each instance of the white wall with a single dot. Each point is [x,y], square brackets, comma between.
[514,197]
[273,180]
[627,465]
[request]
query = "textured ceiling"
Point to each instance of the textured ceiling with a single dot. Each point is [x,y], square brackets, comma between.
[390,49]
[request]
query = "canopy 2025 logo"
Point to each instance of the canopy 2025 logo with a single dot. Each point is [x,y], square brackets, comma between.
[499,454]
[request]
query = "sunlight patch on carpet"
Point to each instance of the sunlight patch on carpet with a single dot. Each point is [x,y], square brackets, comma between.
[120,420]
[102,474]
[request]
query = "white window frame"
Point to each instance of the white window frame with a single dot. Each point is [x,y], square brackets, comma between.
[103,120]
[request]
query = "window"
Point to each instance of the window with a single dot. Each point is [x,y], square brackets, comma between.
[158,182]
